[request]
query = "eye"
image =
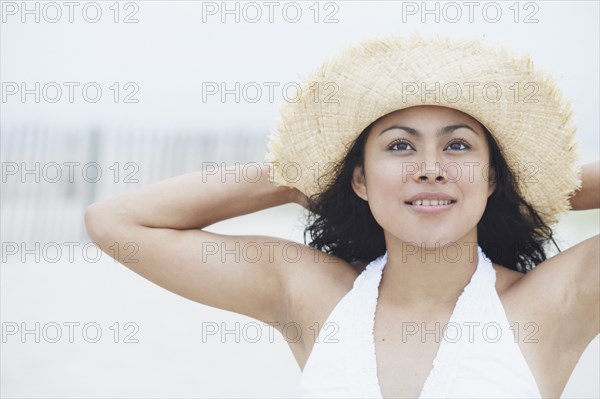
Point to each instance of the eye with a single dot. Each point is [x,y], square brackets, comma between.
[399,145]
[456,145]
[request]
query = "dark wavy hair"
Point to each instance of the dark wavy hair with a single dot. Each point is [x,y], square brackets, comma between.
[511,232]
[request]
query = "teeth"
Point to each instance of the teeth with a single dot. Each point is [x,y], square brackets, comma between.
[431,202]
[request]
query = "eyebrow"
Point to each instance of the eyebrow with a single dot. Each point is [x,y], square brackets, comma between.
[440,132]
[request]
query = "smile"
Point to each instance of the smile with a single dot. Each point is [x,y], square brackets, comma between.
[431,206]
[431,202]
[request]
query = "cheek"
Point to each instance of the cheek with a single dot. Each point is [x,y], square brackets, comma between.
[454,171]
[384,177]
[471,175]
[472,171]
[475,192]
[382,185]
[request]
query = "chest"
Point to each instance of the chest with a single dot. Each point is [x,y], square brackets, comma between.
[403,364]
[406,346]
[406,350]
[407,342]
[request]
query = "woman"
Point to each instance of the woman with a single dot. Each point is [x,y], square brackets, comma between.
[387,265]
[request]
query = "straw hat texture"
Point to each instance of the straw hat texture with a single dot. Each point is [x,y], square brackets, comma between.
[520,105]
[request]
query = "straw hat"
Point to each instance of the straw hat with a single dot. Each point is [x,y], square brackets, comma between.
[520,105]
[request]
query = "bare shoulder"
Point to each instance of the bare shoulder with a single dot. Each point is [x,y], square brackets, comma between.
[556,306]
[562,296]
[315,280]
[313,285]
[505,278]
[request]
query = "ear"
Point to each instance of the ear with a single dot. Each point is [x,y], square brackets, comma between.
[491,180]
[359,183]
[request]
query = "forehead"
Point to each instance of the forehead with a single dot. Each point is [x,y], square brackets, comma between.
[426,115]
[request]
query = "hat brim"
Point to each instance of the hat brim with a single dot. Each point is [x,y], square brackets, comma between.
[521,106]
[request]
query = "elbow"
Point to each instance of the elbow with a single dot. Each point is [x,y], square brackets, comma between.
[100,220]
[106,229]
[93,218]
[105,222]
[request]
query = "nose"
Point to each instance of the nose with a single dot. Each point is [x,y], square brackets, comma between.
[431,172]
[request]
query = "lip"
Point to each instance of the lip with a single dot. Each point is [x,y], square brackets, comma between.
[428,209]
[428,195]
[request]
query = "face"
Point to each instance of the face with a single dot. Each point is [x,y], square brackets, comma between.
[420,155]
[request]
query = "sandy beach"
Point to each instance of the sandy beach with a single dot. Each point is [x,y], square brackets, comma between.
[154,343]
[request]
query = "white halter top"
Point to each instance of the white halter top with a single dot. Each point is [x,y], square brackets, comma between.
[478,356]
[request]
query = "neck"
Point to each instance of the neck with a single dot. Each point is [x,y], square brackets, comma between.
[428,278]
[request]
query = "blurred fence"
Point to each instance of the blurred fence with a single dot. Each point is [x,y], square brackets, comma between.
[50,176]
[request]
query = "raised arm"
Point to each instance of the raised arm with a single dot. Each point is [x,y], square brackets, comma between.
[157,231]
[565,288]
[589,195]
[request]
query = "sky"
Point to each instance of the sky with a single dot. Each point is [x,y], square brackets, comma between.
[225,67]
